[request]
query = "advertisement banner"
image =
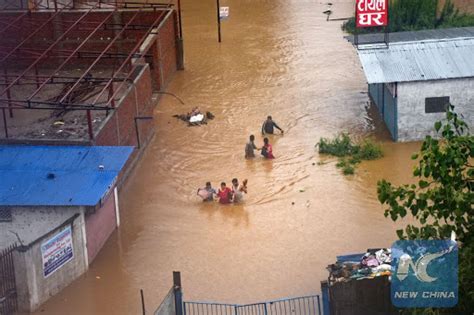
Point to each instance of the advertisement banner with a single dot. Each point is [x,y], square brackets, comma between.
[57,251]
[371,13]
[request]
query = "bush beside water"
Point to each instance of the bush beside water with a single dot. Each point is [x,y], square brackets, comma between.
[349,153]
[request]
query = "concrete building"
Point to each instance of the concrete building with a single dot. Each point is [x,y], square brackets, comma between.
[60,204]
[85,72]
[412,79]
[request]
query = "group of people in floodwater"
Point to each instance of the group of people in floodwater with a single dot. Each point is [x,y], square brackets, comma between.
[266,150]
[235,194]
[224,194]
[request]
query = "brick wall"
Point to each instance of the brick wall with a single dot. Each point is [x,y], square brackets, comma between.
[119,127]
[99,226]
[167,48]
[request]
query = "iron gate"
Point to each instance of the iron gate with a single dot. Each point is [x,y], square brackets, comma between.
[305,305]
[8,302]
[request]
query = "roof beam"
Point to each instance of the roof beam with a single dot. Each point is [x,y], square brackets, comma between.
[71,56]
[44,54]
[137,46]
[117,36]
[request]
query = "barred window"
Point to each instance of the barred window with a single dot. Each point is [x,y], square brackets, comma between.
[5,215]
[436,104]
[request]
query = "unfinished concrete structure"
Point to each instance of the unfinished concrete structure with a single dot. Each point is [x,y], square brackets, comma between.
[84,72]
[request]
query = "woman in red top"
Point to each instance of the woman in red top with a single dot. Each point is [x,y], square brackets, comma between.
[224,194]
[267,150]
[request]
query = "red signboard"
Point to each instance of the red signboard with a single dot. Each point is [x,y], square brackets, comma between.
[371,13]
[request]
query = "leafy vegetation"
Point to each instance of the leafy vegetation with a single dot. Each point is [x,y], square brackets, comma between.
[350,154]
[442,200]
[413,15]
[346,166]
[339,146]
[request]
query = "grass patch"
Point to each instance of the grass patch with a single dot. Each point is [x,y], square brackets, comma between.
[346,165]
[368,150]
[339,146]
[348,170]
[349,152]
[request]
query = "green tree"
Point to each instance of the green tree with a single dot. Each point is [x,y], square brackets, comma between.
[442,199]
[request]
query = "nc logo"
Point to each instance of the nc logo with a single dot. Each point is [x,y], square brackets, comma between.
[419,267]
[424,273]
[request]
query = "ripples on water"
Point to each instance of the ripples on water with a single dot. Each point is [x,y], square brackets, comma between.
[278,58]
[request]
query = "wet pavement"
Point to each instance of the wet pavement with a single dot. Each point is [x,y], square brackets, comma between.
[277,57]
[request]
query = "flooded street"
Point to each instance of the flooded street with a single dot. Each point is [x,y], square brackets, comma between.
[278,58]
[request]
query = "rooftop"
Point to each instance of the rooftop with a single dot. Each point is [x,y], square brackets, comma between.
[444,33]
[58,175]
[419,56]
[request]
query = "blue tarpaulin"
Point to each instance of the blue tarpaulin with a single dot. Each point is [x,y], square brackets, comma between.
[58,175]
[350,257]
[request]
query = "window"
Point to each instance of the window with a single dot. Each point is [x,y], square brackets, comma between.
[436,104]
[5,215]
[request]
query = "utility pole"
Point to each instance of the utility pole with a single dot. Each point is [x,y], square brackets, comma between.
[180,40]
[218,20]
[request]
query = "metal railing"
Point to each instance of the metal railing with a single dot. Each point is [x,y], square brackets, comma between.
[203,308]
[8,301]
[304,305]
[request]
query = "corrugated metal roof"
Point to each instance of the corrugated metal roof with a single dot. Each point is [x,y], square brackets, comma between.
[418,60]
[78,180]
[440,33]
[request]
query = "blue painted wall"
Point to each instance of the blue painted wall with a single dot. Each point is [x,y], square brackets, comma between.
[387,105]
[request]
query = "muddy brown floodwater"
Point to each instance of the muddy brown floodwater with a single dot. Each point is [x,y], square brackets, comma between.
[278,57]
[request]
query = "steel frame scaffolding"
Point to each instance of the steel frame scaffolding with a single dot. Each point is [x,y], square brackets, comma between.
[34,56]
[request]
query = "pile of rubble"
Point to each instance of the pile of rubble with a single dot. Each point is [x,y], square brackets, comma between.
[374,263]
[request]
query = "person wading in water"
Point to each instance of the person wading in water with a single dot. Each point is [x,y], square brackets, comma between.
[268,125]
[207,193]
[224,194]
[238,190]
[267,150]
[249,147]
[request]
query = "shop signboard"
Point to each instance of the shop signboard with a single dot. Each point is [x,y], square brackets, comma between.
[57,251]
[370,13]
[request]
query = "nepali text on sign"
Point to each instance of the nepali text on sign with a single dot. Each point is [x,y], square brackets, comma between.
[371,13]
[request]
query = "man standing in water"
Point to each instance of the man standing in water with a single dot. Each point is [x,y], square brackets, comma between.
[207,193]
[249,147]
[268,125]
[238,190]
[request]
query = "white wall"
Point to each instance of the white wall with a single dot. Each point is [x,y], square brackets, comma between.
[413,123]
[33,222]
[33,288]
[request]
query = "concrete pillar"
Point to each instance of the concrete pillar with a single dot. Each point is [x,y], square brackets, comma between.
[23,279]
[117,210]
